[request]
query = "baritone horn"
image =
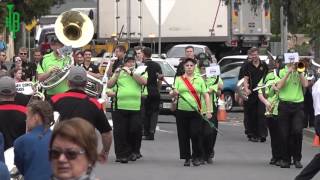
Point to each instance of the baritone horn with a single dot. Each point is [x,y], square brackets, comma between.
[74,28]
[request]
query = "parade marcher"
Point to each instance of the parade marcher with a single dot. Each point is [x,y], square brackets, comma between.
[52,63]
[91,68]
[76,103]
[314,166]
[139,55]
[126,116]
[78,58]
[189,53]
[253,72]
[120,52]
[188,88]
[291,114]
[3,58]
[31,150]
[152,100]
[73,150]
[269,96]
[12,124]
[214,85]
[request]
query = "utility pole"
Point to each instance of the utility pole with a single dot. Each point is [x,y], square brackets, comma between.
[284,29]
[159,31]
[129,21]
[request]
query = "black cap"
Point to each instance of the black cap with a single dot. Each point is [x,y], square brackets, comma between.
[130,55]
[204,60]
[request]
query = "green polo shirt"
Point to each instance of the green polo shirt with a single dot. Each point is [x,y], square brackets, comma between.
[50,61]
[200,87]
[210,83]
[128,92]
[270,94]
[292,90]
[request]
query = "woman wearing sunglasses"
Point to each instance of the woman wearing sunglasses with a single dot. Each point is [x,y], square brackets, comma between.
[31,149]
[73,150]
[189,89]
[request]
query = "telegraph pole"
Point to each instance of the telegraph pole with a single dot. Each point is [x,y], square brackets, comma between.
[284,29]
[159,30]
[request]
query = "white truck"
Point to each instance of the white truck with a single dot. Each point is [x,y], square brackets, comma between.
[231,22]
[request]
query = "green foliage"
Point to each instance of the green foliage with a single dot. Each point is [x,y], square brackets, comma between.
[33,8]
[303,49]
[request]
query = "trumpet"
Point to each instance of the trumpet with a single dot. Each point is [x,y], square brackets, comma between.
[300,66]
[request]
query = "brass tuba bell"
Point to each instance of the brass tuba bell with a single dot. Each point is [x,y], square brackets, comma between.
[74,28]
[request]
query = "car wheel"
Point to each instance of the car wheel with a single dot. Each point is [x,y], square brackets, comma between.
[228,98]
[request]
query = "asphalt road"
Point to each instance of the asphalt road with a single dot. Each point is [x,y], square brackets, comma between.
[236,158]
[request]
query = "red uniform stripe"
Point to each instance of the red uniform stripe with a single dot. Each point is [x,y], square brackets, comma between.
[14,107]
[57,97]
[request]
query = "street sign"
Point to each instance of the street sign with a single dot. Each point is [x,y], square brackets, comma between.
[30,26]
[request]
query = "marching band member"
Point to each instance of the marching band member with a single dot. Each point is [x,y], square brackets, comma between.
[12,115]
[291,114]
[188,88]
[78,58]
[314,166]
[120,52]
[269,96]
[214,85]
[76,103]
[52,63]
[253,72]
[91,68]
[126,114]
[152,100]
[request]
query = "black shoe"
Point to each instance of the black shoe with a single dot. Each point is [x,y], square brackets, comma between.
[273,161]
[150,137]
[284,164]
[263,139]
[196,162]
[278,163]
[253,139]
[212,154]
[298,164]
[133,157]
[139,155]
[117,159]
[209,161]
[202,162]
[186,162]
[124,160]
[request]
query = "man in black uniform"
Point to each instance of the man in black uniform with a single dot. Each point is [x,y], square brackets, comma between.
[12,116]
[120,52]
[152,101]
[76,103]
[189,52]
[28,68]
[253,72]
[91,68]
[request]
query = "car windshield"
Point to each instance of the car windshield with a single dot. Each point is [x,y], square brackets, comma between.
[230,71]
[167,70]
[179,52]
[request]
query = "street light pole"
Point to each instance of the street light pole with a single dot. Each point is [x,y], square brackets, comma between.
[159,30]
[284,30]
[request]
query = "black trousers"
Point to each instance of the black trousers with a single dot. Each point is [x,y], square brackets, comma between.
[254,110]
[311,169]
[151,108]
[317,124]
[189,125]
[209,137]
[127,132]
[291,117]
[273,126]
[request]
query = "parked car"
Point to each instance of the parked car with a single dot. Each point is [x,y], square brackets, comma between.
[169,73]
[178,51]
[239,58]
[229,75]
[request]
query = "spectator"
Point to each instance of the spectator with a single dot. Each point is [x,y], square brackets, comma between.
[31,150]
[73,150]
[3,45]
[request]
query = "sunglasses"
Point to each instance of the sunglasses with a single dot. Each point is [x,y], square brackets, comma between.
[70,154]
[19,60]
[23,53]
